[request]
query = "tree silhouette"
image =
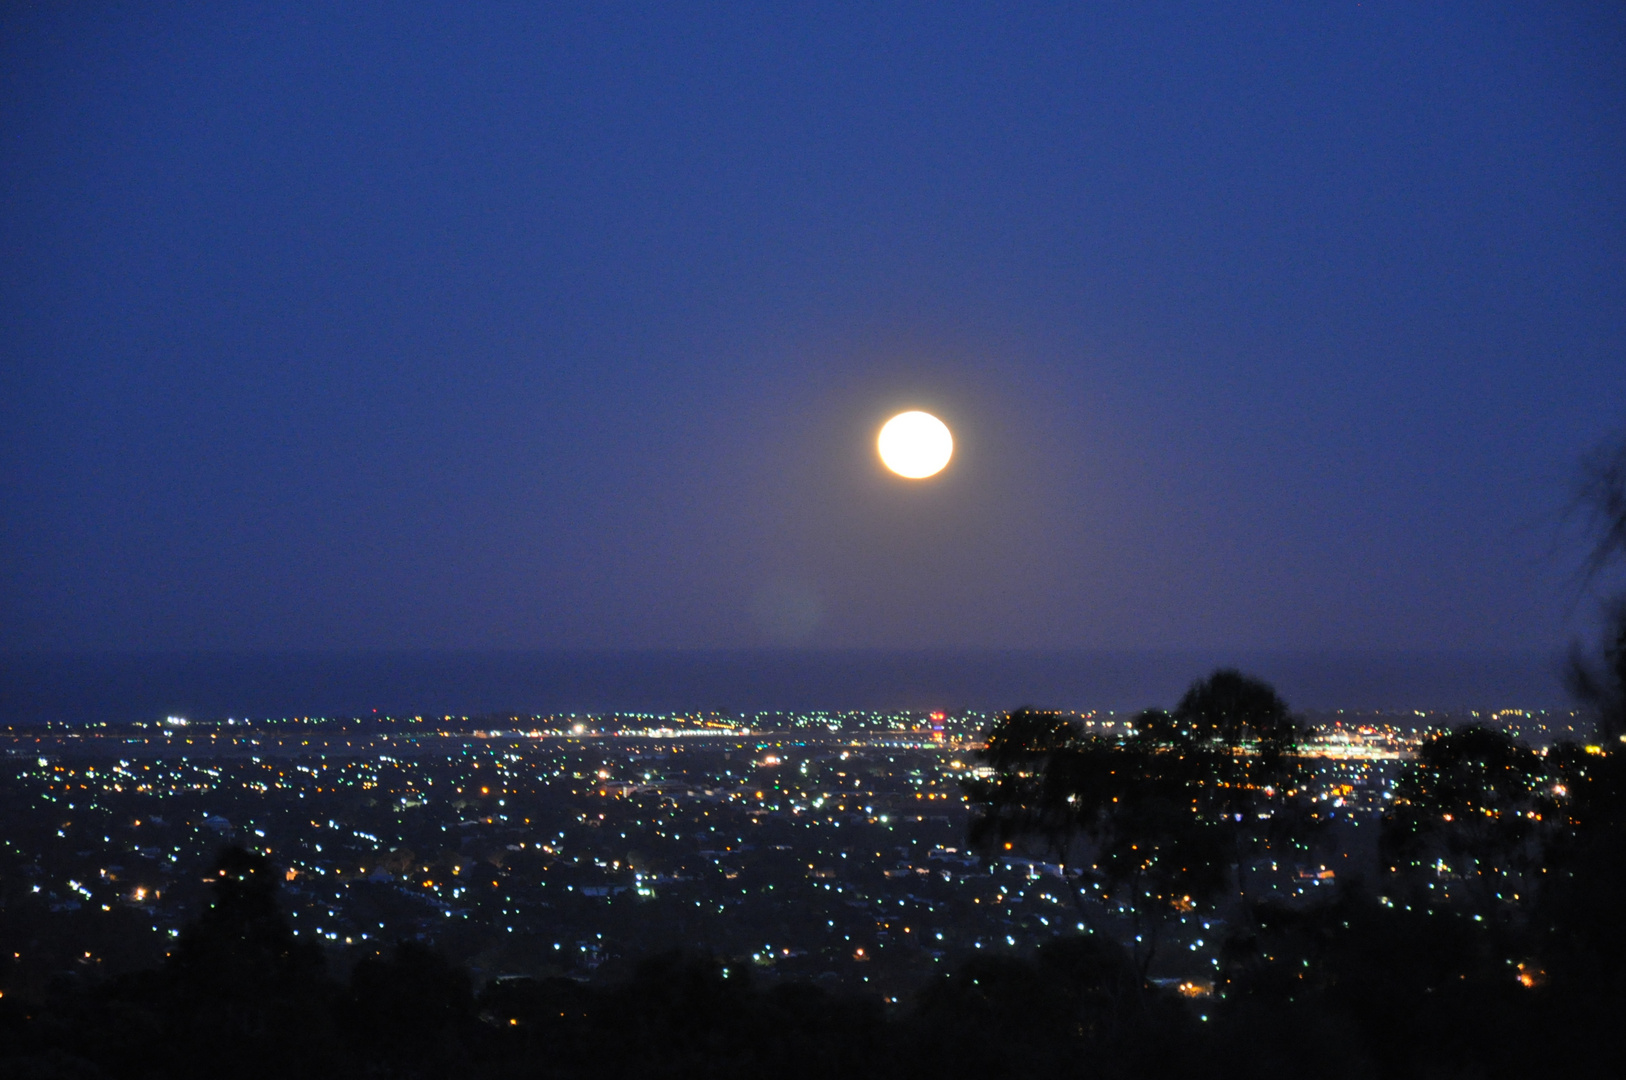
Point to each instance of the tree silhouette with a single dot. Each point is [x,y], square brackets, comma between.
[1601,684]
[1601,497]
[242,941]
[1165,814]
[242,994]
[1242,742]
[414,1011]
[1471,821]
[1045,782]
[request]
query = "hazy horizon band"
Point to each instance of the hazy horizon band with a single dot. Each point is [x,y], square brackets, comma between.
[115,686]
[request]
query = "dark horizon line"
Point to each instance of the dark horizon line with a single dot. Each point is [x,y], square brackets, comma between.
[110,684]
[1556,651]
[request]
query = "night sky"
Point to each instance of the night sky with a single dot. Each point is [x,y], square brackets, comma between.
[483,326]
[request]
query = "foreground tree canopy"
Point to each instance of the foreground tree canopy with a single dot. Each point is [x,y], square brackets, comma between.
[1157,820]
[1600,681]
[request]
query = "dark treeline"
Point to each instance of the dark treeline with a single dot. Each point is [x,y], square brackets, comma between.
[1488,943]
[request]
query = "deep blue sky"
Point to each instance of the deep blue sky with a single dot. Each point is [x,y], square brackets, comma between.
[1260,326]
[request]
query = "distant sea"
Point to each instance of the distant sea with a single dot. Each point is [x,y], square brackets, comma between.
[131,686]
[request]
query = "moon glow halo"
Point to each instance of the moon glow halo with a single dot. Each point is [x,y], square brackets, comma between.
[915,445]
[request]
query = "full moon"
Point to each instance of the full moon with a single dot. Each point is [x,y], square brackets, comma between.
[915,445]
